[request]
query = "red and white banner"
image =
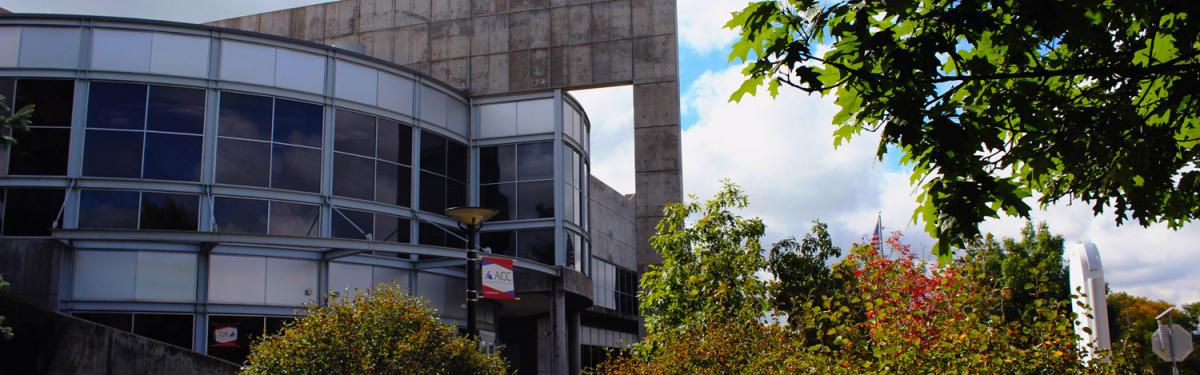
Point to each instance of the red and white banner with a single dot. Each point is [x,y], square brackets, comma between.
[225,335]
[498,278]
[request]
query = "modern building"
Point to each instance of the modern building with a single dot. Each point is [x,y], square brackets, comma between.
[180,180]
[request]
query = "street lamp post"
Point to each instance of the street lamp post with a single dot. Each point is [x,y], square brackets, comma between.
[470,219]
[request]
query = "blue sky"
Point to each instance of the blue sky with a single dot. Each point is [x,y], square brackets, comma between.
[779,150]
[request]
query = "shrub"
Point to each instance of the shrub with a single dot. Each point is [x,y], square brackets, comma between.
[379,331]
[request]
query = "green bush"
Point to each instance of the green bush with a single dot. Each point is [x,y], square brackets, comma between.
[379,331]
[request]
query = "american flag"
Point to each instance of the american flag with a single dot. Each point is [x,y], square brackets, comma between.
[877,235]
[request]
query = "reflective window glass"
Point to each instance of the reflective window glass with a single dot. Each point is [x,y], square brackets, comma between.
[497,164]
[352,224]
[240,215]
[535,161]
[176,109]
[297,123]
[501,197]
[536,244]
[174,329]
[172,157]
[230,337]
[243,162]
[392,183]
[503,242]
[109,153]
[456,194]
[52,100]
[355,133]
[536,200]
[433,152]
[39,151]
[294,219]
[391,228]
[31,212]
[430,234]
[7,87]
[245,116]
[296,168]
[116,106]
[395,142]
[456,160]
[108,209]
[433,193]
[353,176]
[170,211]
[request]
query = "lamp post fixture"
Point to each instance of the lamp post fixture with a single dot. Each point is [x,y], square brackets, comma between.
[470,219]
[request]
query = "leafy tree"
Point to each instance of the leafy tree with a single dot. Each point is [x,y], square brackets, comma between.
[992,101]
[708,268]
[380,331]
[1131,322]
[804,278]
[16,121]
[1026,269]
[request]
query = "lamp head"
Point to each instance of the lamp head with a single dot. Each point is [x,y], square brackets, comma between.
[471,216]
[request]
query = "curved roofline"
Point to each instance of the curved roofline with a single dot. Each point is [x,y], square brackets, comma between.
[463,94]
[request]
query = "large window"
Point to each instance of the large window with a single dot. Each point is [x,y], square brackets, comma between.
[43,149]
[533,244]
[30,212]
[140,131]
[614,287]
[263,216]
[372,159]
[269,142]
[118,209]
[174,329]
[434,235]
[360,225]
[518,180]
[575,173]
[443,173]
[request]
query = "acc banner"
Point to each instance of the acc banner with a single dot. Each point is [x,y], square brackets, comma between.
[498,278]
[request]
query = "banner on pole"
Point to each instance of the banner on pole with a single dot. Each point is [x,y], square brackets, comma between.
[498,278]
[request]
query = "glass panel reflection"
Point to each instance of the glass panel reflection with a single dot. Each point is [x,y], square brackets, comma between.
[352,224]
[503,242]
[245,116]
[456,160]
[39,151]
[535,161]
[536,200]
[170,211]
[243,162]
[355,133]
[112,154]
[433,193]
[116,106]
[497,164]
[501,197]
[296,168]
[395,142]
[295,219]
[297,123]
[172,157]
[391,228]
[176,109]
[108,209]
[433,152]
[536,244]
[392,183]
[240,215]
[353,176]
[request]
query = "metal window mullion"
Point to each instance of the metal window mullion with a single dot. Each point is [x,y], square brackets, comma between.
[560,255]
[271,148]
[145,138]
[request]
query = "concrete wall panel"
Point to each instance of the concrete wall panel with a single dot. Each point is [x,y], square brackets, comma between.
[50,47]
[119,50]
[179,55]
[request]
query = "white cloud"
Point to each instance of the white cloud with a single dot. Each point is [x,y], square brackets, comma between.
[610,111]
[780,151]
[702,23]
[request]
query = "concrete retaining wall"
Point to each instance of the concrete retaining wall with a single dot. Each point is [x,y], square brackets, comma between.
[47,342]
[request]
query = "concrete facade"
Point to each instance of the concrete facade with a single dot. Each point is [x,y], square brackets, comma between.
[491,47]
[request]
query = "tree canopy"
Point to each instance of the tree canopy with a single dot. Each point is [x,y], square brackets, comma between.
[995,101]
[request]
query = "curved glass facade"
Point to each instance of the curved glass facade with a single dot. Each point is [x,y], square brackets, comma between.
[211,182]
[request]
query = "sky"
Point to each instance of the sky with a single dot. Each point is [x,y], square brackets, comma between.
[780,151]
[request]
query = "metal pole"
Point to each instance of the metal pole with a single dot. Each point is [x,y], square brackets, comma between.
[1171,343]
[472,279]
